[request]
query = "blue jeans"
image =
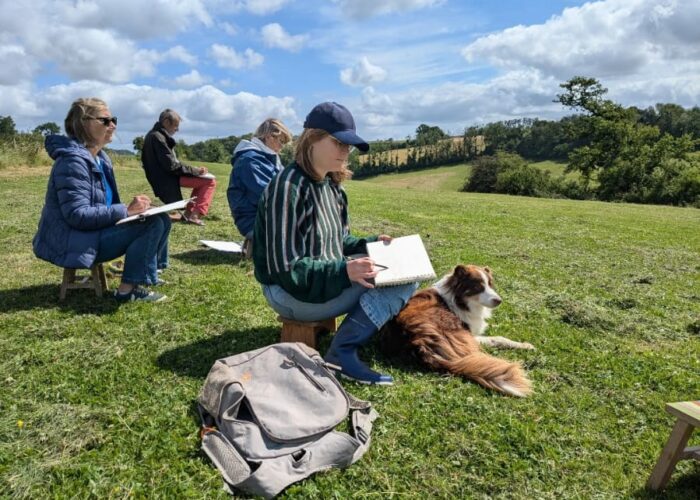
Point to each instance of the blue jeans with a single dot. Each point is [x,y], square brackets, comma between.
[379,304]
[144,246]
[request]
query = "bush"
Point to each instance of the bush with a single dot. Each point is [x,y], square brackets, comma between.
[678,183]
[571,188]
[485,171]
[524,180]
[23,150]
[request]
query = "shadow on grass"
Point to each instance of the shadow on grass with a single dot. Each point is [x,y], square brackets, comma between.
[195,359]
[203,256]
[681,486]
[46,297]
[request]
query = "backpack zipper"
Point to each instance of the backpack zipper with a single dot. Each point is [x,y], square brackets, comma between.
[311,379]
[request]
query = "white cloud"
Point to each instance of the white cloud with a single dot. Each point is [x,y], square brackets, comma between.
[99,55]
[412,52]
[227,57]
[453,106]
[15,66]
[135,18]
[362,9]
[274,35]
[179,53]
[363,73]
[229,29]
[262,7]
[603,39]
[190,80]
[131,18]
[256,7]
[81,41]
[207,111]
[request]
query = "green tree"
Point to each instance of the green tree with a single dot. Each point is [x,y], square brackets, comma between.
[7,126]
[138,144]
[623,153]
[48,128]
[425,135]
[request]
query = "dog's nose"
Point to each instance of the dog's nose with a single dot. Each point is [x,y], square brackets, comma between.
[497,301]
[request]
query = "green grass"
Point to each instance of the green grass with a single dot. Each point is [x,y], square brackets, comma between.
[98,400]
[450,178]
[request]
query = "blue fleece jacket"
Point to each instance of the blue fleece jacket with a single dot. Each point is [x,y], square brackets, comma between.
[75,208]
[254,166]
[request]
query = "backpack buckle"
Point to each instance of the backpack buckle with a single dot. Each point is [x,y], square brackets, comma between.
[361,435]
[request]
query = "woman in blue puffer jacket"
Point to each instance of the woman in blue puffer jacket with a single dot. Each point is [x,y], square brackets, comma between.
[255,163]
[78,222]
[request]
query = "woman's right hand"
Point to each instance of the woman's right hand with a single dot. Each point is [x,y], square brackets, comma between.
[360,270]
[139,204]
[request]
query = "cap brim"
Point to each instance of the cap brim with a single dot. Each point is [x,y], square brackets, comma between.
[350,137]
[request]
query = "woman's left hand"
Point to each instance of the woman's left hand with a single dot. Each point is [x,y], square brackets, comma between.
[384,237]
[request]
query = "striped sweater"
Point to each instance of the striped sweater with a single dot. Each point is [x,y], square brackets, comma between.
[302,235]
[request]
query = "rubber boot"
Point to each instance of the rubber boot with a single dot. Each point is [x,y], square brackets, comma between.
[355,331]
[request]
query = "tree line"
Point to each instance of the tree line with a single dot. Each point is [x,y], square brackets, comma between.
[620,154]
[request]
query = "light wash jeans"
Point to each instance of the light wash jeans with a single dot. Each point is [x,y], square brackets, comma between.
[144,245]
[379,304]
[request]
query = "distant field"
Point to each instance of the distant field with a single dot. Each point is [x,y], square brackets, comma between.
[98,400]
[450,178]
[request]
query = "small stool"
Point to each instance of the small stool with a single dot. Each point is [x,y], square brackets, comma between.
[304,331]
[97,280]
[687,416]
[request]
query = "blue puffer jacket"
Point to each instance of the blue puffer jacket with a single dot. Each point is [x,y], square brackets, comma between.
[74,209]
[254,166]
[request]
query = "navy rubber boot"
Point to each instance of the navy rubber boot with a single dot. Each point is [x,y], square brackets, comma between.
[355,331]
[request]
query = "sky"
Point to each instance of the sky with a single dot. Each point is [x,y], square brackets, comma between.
[226,65]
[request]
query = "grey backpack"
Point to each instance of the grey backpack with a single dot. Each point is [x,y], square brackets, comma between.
[268,418]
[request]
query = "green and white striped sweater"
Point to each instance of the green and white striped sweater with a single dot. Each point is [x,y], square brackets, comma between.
[302,235]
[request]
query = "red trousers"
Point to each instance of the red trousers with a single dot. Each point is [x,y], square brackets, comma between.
[203,189]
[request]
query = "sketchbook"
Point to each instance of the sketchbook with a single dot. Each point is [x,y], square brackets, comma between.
[156,210]
[403,260]
[208,175]
[223,246]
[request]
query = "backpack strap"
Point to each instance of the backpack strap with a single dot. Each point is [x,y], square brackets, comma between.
[335,449]
[362,430]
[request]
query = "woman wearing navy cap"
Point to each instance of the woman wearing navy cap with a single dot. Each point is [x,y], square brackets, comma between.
[302,239]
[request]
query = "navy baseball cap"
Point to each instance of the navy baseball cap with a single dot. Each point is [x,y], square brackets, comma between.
[335,119]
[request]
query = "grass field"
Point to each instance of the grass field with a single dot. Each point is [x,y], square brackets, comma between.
[98,400]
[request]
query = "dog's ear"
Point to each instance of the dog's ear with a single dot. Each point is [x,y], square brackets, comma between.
[489,275]
[459,271]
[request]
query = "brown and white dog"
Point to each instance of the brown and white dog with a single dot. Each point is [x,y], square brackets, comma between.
[443,326]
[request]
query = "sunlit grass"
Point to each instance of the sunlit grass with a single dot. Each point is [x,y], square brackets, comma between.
[608,293]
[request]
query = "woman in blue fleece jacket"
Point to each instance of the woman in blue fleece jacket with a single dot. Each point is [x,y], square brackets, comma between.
[77,226]
[255,163]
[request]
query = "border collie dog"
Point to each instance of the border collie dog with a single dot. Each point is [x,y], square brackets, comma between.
[443,327]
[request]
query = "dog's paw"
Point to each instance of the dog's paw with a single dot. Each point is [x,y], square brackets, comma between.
[527,345]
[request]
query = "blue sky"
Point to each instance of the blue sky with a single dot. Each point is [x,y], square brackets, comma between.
[226,65]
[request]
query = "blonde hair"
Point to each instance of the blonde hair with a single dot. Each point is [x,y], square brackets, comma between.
[272,127]
[85,107]
[302,155]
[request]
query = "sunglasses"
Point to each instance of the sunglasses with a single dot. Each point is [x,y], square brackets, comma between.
[342,146]
[106,120]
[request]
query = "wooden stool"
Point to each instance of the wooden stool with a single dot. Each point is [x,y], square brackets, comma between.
[95,280]
[687,416]
[304,331]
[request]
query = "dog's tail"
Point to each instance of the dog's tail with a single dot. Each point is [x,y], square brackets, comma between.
[456,351]
[491,372]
